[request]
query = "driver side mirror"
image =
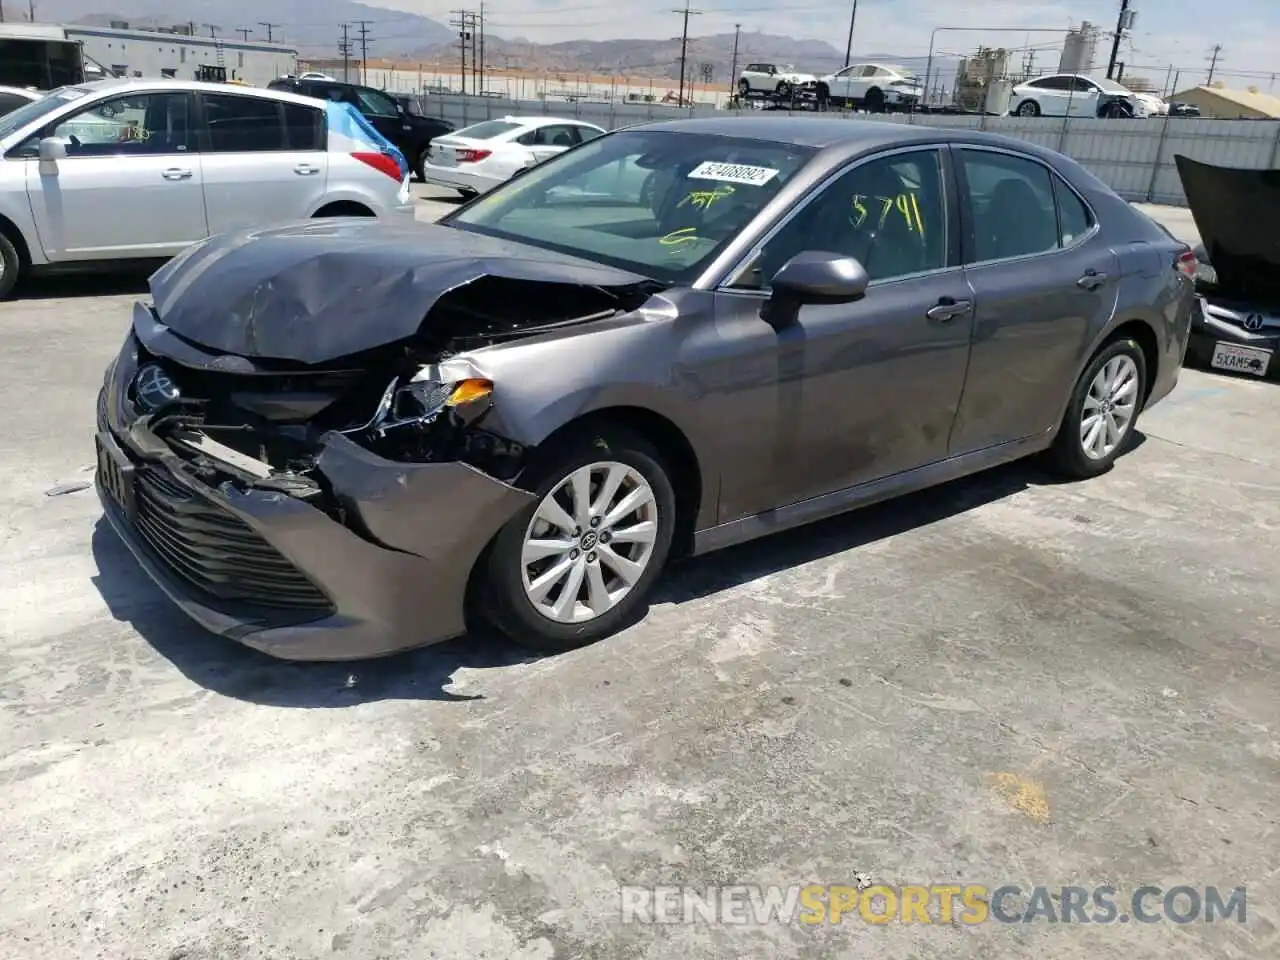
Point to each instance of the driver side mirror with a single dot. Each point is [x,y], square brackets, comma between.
[52,150]
[813,277]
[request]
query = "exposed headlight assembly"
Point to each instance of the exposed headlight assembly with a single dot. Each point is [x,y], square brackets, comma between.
[421,399]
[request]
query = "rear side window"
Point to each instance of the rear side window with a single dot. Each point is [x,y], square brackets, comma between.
[305,127]
[1011,205]
[243,124]
[1074,218]
[487,129]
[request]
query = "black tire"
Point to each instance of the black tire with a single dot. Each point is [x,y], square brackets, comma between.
[1067,457]
[1028,108]
[744,88]
[783,90]
[420,166]
[875,100]
[10,266]
[503,599]
[1116,111]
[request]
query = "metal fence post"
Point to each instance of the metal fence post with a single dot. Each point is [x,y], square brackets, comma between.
[1062,135]
[1158,162]
[1275,150]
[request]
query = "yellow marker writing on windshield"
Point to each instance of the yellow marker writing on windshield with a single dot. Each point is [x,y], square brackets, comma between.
[677,237]
[705,198]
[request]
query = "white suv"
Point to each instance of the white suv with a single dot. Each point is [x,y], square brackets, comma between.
[139,169]
[1074,95]
[772,79]
[874,86]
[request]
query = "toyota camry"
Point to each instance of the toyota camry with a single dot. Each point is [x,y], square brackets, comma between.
[342,438]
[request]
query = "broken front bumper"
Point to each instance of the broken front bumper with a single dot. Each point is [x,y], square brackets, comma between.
[283,576]
[1215,326]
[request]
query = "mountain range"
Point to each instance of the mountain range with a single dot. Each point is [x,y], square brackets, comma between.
[394,35]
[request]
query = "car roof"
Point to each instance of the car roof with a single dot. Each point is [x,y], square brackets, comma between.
[839,135]
[22,91]
[137,85]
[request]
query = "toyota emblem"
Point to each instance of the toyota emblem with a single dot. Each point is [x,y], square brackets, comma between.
[1253,322]
[153,388]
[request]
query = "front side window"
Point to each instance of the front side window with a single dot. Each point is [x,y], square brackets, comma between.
[888,213]
[243,124]
[1011,205]
[657,203]
[374,103]
[133,125]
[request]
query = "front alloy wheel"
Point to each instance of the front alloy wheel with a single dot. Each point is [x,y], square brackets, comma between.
[576,564]
[589,542]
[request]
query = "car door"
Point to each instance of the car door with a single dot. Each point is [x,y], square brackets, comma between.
[1052,94]
[551,139]
[264,160]
[868,389]
[1084,97]
[1043,280]
[129,186]
[383,112]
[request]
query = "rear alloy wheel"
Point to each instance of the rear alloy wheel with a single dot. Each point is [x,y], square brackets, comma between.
[573,567]
[875,100]
[783,90]
[744,88]
[1103,411]
[1028,108]
[10,265]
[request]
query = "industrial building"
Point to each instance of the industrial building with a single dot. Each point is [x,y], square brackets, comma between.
[1080,49]
[1227,104]
[173,52]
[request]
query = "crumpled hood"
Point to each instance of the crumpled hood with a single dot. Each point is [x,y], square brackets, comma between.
[316,291]
[1236,212]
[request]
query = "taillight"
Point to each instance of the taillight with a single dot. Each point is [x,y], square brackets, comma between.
[382,162]
[466,155]
[1186,264]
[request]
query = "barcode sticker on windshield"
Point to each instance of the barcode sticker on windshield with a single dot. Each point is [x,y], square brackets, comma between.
[733,173]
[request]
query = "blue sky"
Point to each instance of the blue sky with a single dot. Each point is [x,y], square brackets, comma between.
[1177,32]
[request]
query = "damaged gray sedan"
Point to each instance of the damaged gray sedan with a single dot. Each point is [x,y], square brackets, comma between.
[339,439]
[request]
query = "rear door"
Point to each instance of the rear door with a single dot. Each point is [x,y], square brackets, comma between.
[546,141]
[1044,282]
[264,160]
[130,185]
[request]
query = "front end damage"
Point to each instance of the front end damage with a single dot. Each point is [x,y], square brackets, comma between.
[321,511]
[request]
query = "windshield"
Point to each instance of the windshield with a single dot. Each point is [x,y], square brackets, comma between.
[13,122]
[651,202]
[487,129]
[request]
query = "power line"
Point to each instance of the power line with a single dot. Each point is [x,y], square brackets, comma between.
[684,44]
[244,33]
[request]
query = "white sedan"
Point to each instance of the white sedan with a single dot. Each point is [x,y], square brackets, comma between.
[478,158]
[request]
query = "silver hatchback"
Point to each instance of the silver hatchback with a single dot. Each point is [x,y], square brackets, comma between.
[122,170]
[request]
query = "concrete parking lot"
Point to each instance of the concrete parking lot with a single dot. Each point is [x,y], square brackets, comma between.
[1001,681]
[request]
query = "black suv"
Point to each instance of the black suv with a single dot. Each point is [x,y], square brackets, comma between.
[408,129]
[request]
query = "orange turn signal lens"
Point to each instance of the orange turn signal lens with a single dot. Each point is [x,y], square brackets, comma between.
[468,391]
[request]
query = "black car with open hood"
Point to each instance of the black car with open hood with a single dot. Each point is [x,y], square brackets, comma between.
[1237,327]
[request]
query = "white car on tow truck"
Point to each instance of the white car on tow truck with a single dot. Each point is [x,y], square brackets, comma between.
[773,80]
[877,87]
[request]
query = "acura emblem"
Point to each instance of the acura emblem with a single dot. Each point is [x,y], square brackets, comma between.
[153,387]
[1253,321]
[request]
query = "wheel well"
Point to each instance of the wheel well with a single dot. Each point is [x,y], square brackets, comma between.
[14,236]
[344,208]
[1141,333]
[677,453]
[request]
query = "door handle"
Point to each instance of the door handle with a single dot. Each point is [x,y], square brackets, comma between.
[948,309]
[176,173]
[305,169]
[1092,280]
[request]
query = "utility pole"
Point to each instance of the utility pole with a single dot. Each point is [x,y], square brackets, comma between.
[270,27]
[480,58]
[32,6]
[1123,22]
[475,60]
[1165,91]
[733,70]
[684,44]
[244,33]
[213,29]
[462,22]
[848,47]
[1213,63]
[364,50]
[344,48]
